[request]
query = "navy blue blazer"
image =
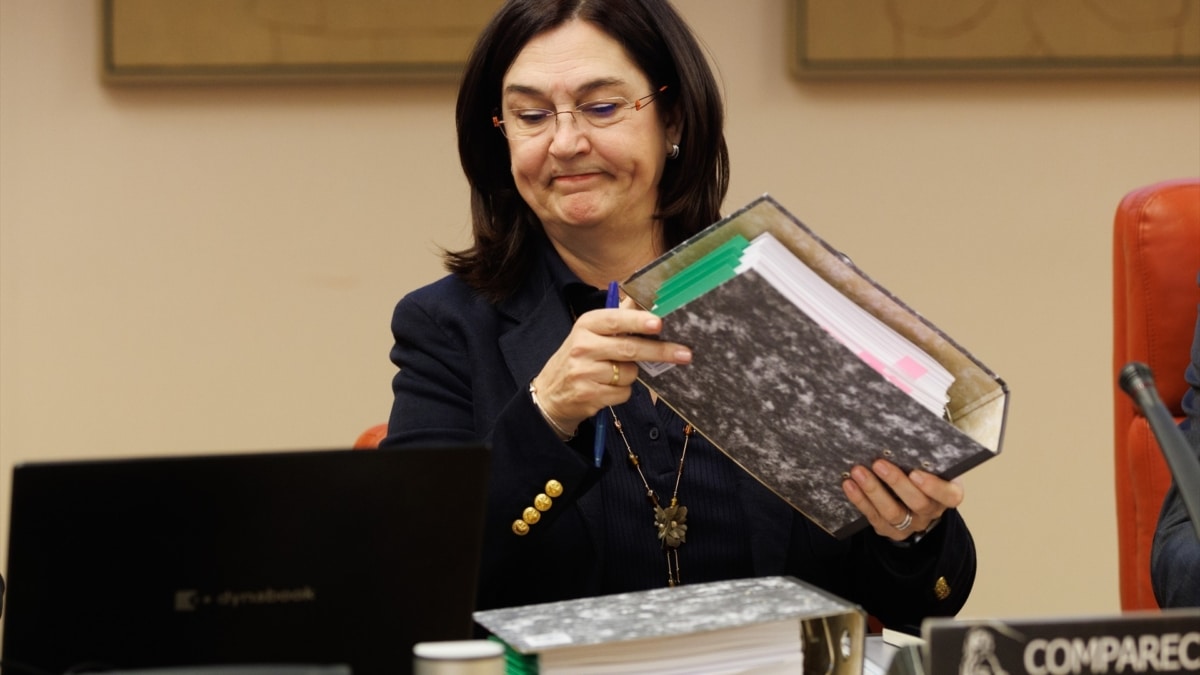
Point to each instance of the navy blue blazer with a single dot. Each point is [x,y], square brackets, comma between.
[465,365]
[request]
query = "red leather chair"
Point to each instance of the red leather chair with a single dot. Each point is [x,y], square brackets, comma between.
[1156,260]
[370,438]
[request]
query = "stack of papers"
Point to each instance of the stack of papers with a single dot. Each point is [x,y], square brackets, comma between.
[889,353]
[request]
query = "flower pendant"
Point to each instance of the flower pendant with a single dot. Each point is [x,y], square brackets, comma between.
[672,525]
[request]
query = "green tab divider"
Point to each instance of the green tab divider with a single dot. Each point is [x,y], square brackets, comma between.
[700,277]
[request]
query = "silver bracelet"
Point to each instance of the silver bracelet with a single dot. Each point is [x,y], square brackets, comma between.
[562,433]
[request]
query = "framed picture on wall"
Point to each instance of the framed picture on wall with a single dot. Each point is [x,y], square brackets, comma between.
[847,38]
[148,41]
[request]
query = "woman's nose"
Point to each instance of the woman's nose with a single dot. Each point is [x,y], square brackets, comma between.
[568,135]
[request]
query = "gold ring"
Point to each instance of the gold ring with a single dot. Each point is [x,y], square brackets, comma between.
[616,378]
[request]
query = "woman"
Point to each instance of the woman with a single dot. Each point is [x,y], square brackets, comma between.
[591,135]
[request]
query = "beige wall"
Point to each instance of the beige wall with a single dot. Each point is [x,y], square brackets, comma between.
[212,269]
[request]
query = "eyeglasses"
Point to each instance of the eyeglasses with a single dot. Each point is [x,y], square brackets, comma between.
[604,112]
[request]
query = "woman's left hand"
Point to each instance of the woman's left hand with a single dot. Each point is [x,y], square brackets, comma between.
[914,501]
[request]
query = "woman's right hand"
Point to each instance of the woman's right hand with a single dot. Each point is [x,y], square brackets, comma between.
[596,367]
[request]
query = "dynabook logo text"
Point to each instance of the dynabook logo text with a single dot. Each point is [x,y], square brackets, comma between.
[188,600]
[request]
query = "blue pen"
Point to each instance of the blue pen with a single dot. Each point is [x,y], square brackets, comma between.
[613,301]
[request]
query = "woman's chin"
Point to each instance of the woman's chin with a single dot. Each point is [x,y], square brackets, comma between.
[580,211]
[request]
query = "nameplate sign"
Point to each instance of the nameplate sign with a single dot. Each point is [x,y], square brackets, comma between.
[1131,643]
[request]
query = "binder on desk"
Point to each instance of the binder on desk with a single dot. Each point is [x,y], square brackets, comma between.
[776,624]
[804,366]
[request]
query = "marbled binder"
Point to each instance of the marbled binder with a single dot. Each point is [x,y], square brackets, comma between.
[776,621]
[791,405]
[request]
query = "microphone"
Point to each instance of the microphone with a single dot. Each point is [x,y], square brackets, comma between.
[1138,381]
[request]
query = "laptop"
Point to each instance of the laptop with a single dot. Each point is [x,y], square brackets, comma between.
[339,558]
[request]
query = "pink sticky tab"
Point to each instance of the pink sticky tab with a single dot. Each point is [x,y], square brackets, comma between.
[900,384]
[871,360]
[910,367]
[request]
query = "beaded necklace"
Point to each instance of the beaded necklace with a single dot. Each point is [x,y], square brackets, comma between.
[671,521]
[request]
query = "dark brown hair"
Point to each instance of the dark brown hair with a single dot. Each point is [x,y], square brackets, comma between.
[662,46]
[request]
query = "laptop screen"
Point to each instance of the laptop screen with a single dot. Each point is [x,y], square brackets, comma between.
[344,557]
